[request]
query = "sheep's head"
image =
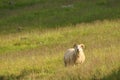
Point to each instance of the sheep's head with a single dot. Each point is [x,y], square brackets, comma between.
[79,48]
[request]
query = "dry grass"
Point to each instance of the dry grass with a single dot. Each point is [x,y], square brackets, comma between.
[44,60]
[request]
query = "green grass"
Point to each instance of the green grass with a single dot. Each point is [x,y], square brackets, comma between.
[34,34]
[51,14]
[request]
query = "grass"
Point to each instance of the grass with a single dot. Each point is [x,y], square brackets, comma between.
[51,14]
[35,34]
[102,52]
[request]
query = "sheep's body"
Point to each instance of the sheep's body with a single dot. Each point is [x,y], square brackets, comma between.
[73,56]
[69,57]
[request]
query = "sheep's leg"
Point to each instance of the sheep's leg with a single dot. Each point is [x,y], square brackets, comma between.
[70,62]
[65,63]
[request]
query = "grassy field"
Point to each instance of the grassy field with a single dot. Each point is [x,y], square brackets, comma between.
[28,15]
[34,34]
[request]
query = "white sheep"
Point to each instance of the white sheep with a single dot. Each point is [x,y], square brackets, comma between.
[74,55]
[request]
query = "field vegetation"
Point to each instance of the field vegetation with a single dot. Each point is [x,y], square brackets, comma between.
[34,34]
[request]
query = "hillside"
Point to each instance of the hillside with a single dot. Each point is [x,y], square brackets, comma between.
[30,14]
[34,34]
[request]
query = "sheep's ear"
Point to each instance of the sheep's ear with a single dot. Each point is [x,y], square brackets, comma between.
[74,45]
[82,45]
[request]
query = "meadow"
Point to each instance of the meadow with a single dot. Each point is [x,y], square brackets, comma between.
[34,34]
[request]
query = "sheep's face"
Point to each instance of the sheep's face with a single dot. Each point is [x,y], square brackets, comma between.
[79,48]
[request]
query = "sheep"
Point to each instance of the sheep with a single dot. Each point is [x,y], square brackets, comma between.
[74,55]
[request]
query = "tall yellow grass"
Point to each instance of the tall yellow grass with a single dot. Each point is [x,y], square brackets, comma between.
[44,60]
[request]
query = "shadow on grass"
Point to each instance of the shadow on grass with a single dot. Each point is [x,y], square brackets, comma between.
[23,74]
[115,75]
